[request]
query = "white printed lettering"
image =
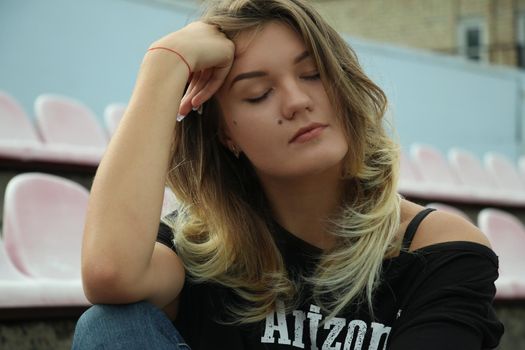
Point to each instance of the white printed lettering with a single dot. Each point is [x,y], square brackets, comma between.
[353,327]
[339,324]
[378,329]
[281,326]
[299,329]
[314,318]
[356,331]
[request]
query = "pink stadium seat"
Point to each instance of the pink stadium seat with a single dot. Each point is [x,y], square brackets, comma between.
[21,291]
[506,176]
[521,167]
[507,236]
[440,180]
[43,223]
[112,115]
[449,209]
[410,181]
[18,137]
[469,169]
[16,290]
[70,130]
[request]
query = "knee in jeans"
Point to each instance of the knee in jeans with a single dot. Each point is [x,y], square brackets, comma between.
[100,318]
[132,326]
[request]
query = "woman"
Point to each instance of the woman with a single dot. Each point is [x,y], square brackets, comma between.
[290,232]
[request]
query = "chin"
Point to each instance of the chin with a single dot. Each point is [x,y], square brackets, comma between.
[306,163]
[310,167]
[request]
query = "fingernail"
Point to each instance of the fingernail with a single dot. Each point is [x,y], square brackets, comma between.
[197,109]
[180,117]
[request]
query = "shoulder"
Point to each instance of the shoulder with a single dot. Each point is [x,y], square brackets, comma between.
[439,227]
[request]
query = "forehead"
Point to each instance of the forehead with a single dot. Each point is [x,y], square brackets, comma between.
[275,39]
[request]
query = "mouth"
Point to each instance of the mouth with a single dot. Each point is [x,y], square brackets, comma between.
[307,133]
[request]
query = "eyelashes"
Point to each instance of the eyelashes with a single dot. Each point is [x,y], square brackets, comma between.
[261,98]
[312,77]
[258,99]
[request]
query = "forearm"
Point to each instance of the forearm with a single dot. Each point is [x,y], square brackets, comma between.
[126,196]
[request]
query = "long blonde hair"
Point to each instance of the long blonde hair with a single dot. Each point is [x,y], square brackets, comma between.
[223,232]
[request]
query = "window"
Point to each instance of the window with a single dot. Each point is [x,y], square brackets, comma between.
[472,39]
[520,40]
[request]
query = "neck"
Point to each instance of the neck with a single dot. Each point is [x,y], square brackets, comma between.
[302,205]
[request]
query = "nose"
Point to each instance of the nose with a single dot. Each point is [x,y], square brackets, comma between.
[296,100]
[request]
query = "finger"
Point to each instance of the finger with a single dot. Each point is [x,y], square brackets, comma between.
[212,86]
[197,86]
[203,81]
[191,86]
[185,103]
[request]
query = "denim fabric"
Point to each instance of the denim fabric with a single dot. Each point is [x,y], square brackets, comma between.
[129,326]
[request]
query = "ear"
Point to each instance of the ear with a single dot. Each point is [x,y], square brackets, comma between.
[225,138]
[224,131]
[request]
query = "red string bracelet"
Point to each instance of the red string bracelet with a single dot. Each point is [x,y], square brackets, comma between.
[175,52]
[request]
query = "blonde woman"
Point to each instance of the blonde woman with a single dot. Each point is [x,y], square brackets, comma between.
[290,232]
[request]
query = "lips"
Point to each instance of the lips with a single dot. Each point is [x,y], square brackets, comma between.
[307,130]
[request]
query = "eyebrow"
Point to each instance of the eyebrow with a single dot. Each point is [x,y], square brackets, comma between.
[257,74]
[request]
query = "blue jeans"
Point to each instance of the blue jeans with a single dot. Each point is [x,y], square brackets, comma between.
[130,326]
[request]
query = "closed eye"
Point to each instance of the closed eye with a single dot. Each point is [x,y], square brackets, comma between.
[254,100]
[312,77]
[258,99]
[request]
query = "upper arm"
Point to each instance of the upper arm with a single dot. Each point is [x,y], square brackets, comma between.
[440,226]
[448,303]
[164,279]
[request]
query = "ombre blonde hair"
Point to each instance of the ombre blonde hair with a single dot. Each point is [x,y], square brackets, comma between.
[223,231]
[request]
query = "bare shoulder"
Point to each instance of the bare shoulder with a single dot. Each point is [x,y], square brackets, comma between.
[440,226]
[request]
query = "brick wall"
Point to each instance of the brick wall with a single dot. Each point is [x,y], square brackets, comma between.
[429,24]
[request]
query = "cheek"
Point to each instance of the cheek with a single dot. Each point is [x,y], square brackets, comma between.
[252,129]
[254,138]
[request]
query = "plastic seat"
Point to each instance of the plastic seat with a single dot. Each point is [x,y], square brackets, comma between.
[410,181]
[16,290]
[18,136]
[507,237]
[112,115]
[504,173]
[449,209]
[521,167]
[43,223]
[70,131]
[469,169]
[441,182]
[21,291]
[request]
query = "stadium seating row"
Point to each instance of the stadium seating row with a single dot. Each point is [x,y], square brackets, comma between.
[428,174]
[41,241]
[65,130]
[44,216]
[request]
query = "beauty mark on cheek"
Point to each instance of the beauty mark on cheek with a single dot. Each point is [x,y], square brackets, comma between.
[235,122]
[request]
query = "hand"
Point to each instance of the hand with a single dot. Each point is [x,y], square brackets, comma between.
[210,56]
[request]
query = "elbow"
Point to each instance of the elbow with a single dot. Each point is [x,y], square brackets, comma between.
[103,284]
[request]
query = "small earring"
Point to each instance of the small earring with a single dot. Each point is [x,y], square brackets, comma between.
[235,151]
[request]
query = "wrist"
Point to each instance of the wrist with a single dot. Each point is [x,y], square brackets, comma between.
[171,51]
[178,46]
[160,64]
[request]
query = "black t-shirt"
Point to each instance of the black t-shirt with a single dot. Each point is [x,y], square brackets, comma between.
[437,297]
